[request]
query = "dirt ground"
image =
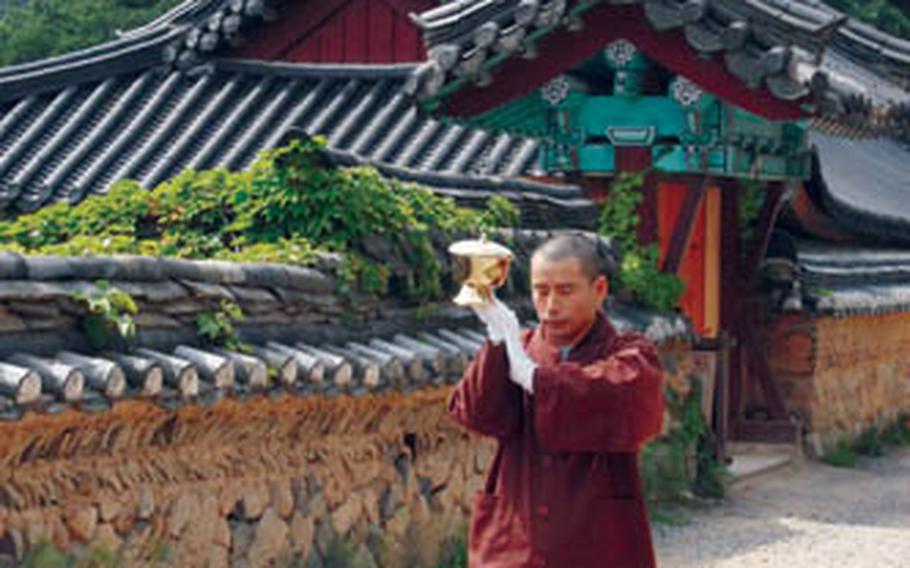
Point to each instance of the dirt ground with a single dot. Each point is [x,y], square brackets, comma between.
[808,516]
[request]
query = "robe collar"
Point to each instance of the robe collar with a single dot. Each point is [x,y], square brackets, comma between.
[587,348]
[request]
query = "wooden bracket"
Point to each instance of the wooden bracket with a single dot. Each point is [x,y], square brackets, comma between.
[767,216]
[682,229]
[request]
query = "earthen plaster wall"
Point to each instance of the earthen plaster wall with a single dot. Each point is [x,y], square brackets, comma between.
[843,374]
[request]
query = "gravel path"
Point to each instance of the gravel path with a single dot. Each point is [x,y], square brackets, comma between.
[809,516]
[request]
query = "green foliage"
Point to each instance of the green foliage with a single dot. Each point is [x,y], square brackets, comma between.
[109,322]
[43,28]
[340,554]
[750,203]
[898,432]
[500,213]
[682,462]
[711,475]
[841,454]
[874,441]
[217,328]
[454,553]
[286,208]
[639,273]
[46,555]
[869,443]
[892,16]
[619,215]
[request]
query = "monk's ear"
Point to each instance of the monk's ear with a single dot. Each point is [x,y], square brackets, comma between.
[601,287]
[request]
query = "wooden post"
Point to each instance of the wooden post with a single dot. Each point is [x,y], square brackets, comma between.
[730,291]
[767,217]
[682,229]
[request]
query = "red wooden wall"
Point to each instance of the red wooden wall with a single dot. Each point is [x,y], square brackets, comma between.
[339,31]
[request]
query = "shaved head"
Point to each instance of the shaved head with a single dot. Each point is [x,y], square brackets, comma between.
[579,247]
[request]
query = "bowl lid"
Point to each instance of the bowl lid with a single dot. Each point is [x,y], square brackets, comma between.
[479,247]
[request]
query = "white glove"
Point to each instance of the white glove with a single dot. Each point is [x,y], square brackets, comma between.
[502,325]
[501,322]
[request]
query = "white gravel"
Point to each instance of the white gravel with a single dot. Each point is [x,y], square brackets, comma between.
[808,516]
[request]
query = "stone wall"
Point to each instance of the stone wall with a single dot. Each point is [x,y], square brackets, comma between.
[328,444]
[243,484]
[843,374]
[275,480]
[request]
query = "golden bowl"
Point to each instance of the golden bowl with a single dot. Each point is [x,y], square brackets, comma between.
[481,266]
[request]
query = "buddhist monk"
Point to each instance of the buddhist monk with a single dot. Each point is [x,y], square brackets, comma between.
[570,404]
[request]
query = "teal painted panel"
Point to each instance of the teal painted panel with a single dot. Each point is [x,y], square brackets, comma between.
[675,159]
[599,158]
[664,114]
[591,158]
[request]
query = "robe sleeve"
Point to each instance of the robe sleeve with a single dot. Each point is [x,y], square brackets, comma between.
[613,404]
[485,400]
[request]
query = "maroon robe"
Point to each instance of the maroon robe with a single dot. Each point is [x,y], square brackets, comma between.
[563,489]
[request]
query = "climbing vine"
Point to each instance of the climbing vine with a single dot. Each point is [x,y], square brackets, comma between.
[288,206]
[109,322]
[217,328]
[639,271]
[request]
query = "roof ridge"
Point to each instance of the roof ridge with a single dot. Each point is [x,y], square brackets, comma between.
[320,70]
[180,38]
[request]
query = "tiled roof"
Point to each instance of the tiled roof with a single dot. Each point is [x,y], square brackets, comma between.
[837,279]
[863,186]
[857,76]
[149,125]
[188,374]
[310,352]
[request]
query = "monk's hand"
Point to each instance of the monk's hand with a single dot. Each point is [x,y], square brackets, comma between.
[521,368]
[503,326]
[501,322]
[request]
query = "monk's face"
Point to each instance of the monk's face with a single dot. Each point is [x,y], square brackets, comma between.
[566,299]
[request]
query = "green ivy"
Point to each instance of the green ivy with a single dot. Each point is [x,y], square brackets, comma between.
[666,461]
[639,272]
[288,206]
[218,328]
[109,322]
[750,203]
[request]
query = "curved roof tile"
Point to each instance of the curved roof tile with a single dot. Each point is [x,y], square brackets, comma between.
[149,125]
[854,74]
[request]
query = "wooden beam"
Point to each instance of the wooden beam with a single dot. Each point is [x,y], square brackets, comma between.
[767,217]
[758,368]
[730,293]
[766,431]
[647,231]
[712,271]
[682,229]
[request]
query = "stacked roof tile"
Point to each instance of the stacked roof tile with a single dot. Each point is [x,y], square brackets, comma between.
[837,279]
[141,108]
[856,76]
[861,187]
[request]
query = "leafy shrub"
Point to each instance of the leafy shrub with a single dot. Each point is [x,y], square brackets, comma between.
[639,273]
[217,328]
[286,208]
[841,454]
[109,322]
